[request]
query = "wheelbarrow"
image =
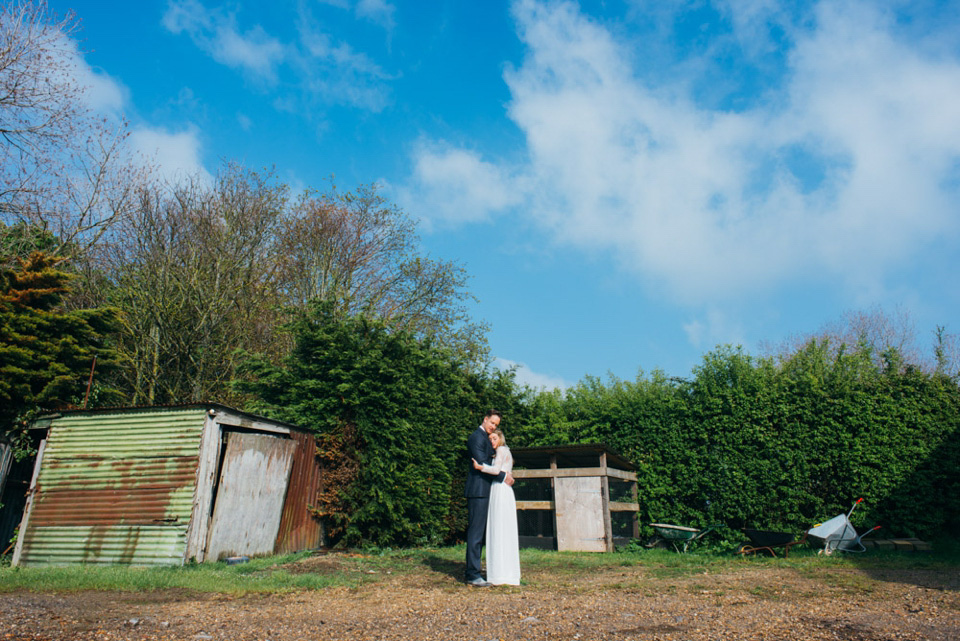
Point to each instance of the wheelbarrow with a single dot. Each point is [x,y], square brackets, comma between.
[677,535]
[766,541]
[838,534]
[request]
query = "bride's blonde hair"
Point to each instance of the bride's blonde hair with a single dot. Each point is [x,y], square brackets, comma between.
[499,433]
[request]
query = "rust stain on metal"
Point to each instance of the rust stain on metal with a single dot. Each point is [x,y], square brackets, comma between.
[137,493]
[299,528]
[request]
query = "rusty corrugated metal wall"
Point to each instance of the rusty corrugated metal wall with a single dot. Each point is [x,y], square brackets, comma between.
[299,529]
[115,488]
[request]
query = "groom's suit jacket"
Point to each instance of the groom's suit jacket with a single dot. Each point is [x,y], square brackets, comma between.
[479,448]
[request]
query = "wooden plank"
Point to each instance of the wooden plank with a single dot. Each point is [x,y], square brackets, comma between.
[249,502]
[234,420]
[622,474]
[199,528]
[551,505]
[574,472]
[25,522]
[6,462]
[579,514]
[605,504]
[536,505]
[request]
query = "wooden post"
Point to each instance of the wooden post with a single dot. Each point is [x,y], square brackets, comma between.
[553,492]
[25,521]
[93,367]
[605,501]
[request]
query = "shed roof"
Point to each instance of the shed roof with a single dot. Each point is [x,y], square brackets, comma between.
[161,408]
[569,456]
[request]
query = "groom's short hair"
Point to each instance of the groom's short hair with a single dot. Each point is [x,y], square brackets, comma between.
[493,413]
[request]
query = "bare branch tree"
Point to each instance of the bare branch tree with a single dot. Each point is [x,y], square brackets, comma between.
[63,167]
[200,270]
[363,253]
[890,339]
[191,271]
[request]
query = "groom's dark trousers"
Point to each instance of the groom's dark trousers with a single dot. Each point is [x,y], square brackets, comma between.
[476,533]
[477,492]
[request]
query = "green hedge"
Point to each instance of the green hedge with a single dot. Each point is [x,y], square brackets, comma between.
[750,443]
[745,442]
[392,414]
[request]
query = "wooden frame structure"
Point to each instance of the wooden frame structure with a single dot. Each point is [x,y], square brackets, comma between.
[580,481]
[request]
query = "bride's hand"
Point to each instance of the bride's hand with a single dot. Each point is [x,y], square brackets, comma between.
[476,465]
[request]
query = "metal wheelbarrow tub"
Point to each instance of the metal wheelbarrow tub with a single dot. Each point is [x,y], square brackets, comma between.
[838,534]
[678,535]
[767,540]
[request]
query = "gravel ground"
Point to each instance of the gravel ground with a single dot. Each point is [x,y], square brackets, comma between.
[745,601]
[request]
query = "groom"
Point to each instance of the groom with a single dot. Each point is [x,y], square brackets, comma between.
[478,494]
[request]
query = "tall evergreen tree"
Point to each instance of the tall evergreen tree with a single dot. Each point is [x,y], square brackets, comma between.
[46,353]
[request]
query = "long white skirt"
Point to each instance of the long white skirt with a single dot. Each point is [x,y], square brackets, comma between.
[503,547]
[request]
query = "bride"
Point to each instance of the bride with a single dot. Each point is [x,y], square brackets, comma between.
[503,552]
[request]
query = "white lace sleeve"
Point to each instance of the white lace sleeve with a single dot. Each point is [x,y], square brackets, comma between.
[503,462]
[498,462]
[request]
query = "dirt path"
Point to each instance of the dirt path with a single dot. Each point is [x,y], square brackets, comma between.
[745,602]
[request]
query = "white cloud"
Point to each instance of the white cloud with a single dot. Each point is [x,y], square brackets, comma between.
[377,11]
[846,168]
[334,71]
[253,51]
[526,376]
[170,154]
[316,68]
[457,185]
[713,327]
[101,92]
[175,154]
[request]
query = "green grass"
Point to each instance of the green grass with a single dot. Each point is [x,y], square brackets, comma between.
[258,575]
[353,569]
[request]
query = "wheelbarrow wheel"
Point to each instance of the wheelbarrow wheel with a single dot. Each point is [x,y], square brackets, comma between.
[656,542]
[747,548]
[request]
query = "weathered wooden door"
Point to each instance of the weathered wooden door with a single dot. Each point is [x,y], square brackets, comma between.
[579,505]
[250,494]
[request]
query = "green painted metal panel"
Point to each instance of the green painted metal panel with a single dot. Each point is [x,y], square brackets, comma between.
[140,545]
[115,488]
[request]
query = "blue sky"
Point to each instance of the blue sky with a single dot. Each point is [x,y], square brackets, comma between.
[629,183]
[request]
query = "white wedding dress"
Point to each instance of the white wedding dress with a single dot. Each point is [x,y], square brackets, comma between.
[503,547]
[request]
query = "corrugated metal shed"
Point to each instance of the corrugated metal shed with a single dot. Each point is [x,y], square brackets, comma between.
[140,485]
[114,488]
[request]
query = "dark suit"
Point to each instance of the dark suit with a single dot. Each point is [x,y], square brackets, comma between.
[477,492]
